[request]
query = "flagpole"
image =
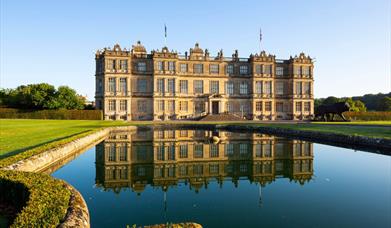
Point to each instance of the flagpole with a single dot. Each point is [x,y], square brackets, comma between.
[260,40]
[165,35]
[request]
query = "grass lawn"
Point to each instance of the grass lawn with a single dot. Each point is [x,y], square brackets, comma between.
[33,136]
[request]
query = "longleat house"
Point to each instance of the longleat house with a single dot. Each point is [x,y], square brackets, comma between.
[164,85]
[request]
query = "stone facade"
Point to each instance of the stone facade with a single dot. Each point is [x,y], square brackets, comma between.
[163,85]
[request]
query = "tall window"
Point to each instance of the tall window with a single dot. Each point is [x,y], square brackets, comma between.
[230,69]
[183,106]
[307,106]
[258,106]
[112,85]
[279,107]
[306,70]
[297,70]
[183,86]
[124,64]
[183,151]
[298,106]
[123,105]
[141,66]
[279,71]
[214,151]
[214,68]
[280,88]
[183,67]
[243,89]
[214,87]
[229,149]
[307,88]
[268,87]
[171,66]
[199,106]
[160,106]
[160,65]
[142,106]
[142,85]
[229,88]
[267,69]
[111,105]
[198,86]
[171,106]
[268,106]
[171,85]
[298,88]
[123,84]
[258,69]
[160,85]
[198,68]
[198,150]
[258,87]
[111,64]
[243,69]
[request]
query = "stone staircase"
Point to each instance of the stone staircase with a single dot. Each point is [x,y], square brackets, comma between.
[221,117]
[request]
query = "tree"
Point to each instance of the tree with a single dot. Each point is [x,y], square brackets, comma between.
[331,100]
[385,104]
[359,106]
[67,98]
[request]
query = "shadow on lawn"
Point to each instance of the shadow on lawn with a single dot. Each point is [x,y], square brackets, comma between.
[15,152]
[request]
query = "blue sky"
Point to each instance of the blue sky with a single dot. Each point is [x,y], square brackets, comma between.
[55,41]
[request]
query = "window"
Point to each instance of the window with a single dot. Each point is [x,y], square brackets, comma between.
[171,152]
[199,106]
[112,85]
[99,89]
[183,67]
[124,64]
[214,169]
[298,106]
[214,68]
[183,86]
[171,106]
[244,108]
[198,150]
[198,68]
[183,151]
[280,88]
[171,85]
[111,105]
[229,149]
[268,106]
[258,69]
[214,87]
[267,69]
[111,64]
[279,71]
[307,106]
[123,104]
[214,151]
[230,69]
[142,106]
[198,86]
[171,66]
[160,65]
[297,70]
[112,152]
[183,133]
[230,107]
[258,106]
[229,88]
[258,87]
[160,85]
[123,84]
[122,152]
[183,106]
[307,88]
[243,149]
[160,106]
[142,85]
[268,87]
[298,88]
[141,66]
[243,89]
[160,153]
[243,69]
[306,70]
[279,107]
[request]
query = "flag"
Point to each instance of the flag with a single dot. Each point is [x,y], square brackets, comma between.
[165,30]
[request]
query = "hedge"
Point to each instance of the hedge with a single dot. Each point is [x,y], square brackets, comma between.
[368,116]
[42,200]
[62,114]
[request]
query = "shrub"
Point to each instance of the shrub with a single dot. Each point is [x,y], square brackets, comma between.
[368,116]
[47,198]
[62,114]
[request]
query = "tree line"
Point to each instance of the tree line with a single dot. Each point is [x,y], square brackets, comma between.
[42,96]
[368,102]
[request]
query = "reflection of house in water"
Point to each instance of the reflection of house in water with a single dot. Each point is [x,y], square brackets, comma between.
[162,158]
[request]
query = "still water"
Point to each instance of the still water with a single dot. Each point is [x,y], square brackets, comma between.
[156,176]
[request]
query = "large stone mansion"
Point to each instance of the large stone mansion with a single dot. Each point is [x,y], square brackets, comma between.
[163,85]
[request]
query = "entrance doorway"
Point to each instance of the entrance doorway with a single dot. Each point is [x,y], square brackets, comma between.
[215,107]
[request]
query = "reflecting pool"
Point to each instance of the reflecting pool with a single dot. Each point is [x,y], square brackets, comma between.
[229,179]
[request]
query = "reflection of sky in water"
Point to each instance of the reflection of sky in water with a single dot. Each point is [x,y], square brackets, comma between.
[347,189]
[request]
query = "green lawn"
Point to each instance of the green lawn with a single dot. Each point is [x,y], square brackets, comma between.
[33,136]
